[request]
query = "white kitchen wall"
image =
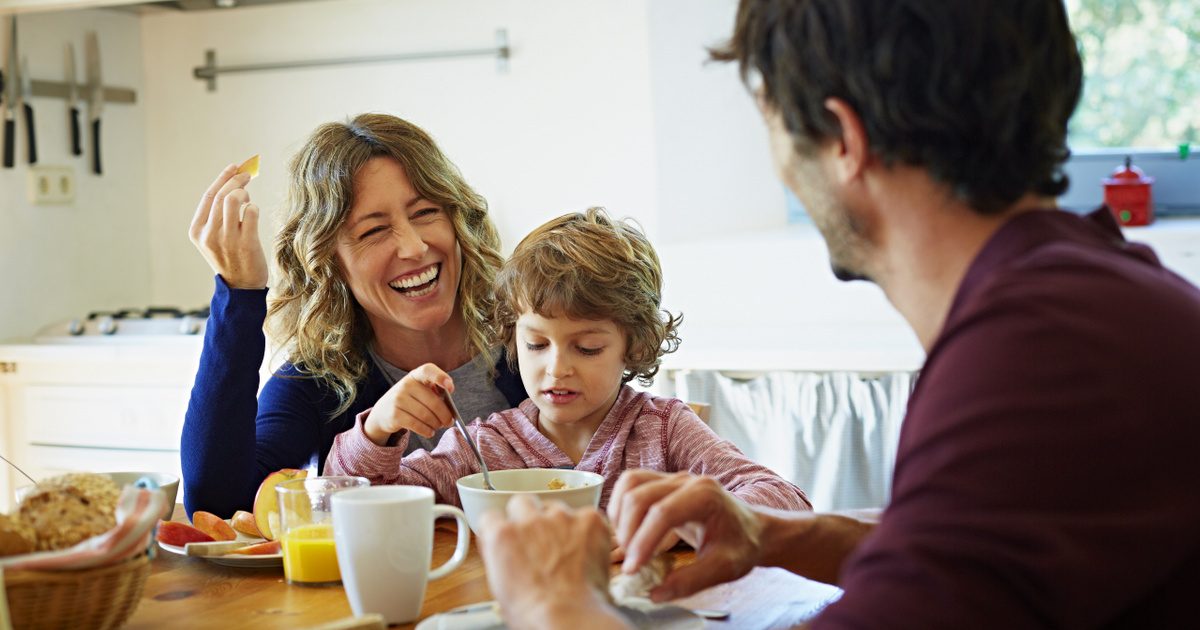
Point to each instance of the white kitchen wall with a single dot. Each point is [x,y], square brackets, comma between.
[714,169]
[604,103]
[608,103]
[58,262]
[567,126]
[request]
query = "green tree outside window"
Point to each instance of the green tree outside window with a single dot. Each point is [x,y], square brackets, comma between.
[1141,73]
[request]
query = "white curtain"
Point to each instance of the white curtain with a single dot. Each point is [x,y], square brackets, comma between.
[833,434]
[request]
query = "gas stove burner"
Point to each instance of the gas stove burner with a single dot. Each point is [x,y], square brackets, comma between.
[152,312]
[156,321]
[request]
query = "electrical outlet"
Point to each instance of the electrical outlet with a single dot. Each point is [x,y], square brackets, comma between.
[51,185]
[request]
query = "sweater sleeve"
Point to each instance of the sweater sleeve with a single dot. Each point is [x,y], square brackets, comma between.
[1038,488]
[693,447]
[232,435]
[353,453]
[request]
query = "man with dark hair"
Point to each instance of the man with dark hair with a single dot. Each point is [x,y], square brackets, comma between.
[1045,475]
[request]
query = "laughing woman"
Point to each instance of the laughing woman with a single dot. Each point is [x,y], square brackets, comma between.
[385,264]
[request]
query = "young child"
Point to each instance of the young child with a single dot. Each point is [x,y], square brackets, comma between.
[578,309]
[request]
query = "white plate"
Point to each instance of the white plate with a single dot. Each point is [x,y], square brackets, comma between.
[641,612]
[235,560]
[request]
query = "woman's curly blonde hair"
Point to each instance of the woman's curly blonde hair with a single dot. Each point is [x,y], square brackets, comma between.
[584,265]
[312,314]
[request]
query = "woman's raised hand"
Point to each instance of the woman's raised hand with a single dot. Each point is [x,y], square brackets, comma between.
[411,404]
[225,230]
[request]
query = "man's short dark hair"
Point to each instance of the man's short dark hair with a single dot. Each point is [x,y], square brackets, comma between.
[977,92]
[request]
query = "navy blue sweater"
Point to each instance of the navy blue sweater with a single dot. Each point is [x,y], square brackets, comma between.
[233,437]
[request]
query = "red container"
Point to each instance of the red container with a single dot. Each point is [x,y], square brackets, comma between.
[1127,194]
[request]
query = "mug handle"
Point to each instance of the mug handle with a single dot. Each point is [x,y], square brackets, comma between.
[460,548]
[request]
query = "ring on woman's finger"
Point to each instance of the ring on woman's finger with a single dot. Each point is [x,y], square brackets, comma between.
[242,211]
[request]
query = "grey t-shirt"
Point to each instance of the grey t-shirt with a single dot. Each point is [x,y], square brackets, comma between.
[475,394]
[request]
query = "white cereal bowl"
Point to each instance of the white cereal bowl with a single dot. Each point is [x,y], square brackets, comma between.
[167,482]
[583,490]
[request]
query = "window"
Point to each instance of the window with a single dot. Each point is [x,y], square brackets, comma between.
[1142,73]
[1141,98]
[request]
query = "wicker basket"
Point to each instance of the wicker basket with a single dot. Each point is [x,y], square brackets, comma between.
[89,598]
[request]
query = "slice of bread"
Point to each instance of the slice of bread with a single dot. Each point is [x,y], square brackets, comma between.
[624,586]
[16,537]
[65,510]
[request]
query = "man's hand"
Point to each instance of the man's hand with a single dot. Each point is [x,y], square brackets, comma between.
[412,404]
[618,552]
[648,506]
[548,566]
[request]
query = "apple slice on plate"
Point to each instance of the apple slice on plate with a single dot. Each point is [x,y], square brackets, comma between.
[260,549]
[246,551]
[213,525]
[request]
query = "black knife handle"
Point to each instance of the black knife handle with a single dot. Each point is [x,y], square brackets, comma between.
[29,133]
[76,142]
[10,144]
[96,146]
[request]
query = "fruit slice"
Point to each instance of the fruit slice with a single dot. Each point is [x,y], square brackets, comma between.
[243,522]
[263,548]
[213,525]
[180,534]
[266,502]
[250,166]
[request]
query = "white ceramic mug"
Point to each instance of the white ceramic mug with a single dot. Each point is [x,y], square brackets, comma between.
[384,540]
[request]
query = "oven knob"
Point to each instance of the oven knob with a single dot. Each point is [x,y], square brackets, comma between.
[75,327]
[189,326]
[108,325]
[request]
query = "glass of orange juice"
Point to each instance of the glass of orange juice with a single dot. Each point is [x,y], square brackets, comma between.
[306,528]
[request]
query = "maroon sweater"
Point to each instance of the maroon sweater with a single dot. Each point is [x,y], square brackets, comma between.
[1048,472]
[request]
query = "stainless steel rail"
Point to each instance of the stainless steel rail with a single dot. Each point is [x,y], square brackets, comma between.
[209,71]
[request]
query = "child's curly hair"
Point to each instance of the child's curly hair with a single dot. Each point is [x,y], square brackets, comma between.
[584,265]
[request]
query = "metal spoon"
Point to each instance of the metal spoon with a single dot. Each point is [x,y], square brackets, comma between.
[462,427]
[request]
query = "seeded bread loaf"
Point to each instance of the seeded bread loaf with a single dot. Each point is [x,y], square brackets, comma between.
[97,489]
[16,537]
[66,510]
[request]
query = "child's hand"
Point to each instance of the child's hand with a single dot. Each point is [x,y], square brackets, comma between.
[411,404]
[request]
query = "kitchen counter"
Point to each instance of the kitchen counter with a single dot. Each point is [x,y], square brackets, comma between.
[767,300]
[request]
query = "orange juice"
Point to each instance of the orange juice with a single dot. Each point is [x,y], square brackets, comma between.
[309,556]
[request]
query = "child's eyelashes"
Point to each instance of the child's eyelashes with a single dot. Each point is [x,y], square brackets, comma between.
[586,351]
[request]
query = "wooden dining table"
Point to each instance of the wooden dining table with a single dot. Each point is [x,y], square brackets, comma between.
[188,592]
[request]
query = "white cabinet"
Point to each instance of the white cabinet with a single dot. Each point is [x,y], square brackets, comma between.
[103,416]
[92,408]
